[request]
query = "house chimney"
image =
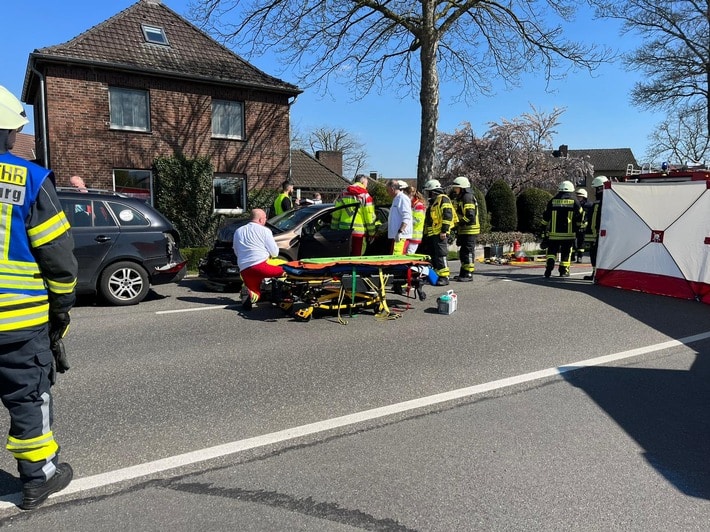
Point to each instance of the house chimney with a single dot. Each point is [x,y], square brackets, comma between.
[332,160]
[373,175]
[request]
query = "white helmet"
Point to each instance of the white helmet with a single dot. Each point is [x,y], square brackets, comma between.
[432,184]
[581,192]
[12,114]
[462,182]
[566,186]
[599,181]
[9,119]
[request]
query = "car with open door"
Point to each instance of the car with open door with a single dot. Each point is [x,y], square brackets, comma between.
[302,233]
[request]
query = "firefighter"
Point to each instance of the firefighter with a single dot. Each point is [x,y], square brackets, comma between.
[591,234]
[564,216]
[358,215]
[37,280]
[438,223]
[579,239]
[468,228]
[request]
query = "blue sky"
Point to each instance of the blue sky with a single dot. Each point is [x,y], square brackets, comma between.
[598,113]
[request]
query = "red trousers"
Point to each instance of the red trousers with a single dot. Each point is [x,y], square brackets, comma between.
[253,275]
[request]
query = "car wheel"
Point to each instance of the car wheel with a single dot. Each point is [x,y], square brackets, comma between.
[124,283]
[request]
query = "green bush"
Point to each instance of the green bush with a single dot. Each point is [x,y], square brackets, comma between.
[531,204]
[262,198]
[183,193]
[193,256]
[505,238]
[500,202]
[378,191]
[484,217]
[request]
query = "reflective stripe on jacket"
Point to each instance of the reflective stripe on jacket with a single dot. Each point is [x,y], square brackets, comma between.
[564,216]
[360,213]
[466,208]
[418,215]
[439,216]
[37,266]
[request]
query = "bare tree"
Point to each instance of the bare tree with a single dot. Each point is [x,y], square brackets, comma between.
[374,43]
[681,139]
[518,151]
[674,56]
[331,139]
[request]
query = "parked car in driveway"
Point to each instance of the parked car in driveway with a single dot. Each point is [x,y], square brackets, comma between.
[122,245]
[300,234]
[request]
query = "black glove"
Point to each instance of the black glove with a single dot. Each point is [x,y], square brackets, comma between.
[60,363]
[58,326]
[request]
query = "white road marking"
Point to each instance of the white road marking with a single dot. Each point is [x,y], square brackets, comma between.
[218,451]
[198,309]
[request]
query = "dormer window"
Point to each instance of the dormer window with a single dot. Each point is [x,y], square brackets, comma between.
[155,35]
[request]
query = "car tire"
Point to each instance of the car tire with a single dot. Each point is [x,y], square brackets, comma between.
[124,283]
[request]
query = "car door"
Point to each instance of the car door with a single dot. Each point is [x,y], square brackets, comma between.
[94,234]
[319,239]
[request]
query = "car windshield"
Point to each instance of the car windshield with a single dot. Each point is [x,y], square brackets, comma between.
[291,219]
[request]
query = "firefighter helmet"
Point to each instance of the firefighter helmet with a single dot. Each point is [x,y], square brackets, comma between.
[581,192]
[12,113]
[599,181]
[566,186]
[432,184]
[462,182]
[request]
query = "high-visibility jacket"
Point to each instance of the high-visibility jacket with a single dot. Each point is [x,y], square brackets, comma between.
[564,216]
[282,203]
[466,208]
[440,216]
[360,213]
[37,265]
[418,215]
[591,232]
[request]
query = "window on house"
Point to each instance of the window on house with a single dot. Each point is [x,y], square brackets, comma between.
[155,35]
[227,119]
[134,183]
[230,193]
[129,109]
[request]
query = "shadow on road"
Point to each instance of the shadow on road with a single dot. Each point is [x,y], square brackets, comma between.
[666,411]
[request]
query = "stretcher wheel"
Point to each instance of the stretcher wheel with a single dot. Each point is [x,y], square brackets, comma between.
[303,314]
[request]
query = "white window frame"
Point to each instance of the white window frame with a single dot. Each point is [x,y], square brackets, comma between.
[227,119]
[239,185]
[125,108]
[155,35]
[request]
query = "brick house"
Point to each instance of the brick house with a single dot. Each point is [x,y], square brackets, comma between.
[147,83]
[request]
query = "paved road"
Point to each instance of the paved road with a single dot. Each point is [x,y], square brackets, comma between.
[538,405]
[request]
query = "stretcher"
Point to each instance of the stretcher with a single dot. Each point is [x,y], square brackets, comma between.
[346,284]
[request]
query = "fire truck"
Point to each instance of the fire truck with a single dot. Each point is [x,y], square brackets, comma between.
[667,175]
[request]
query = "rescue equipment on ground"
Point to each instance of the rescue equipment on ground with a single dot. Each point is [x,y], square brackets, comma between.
[447,303]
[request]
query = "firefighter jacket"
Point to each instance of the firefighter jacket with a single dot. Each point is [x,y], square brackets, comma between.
[37,265]
[282,203]
[564,216]
[359,212]
[591,233]
[440,216]
[466,208]
[418,214]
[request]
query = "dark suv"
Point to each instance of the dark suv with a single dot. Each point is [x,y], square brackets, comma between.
[122,245]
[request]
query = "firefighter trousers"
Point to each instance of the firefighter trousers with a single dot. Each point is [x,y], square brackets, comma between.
[467,252]
[25,392]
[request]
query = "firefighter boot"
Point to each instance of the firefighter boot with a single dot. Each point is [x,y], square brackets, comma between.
[549,266]
[464,277]
[564,271]
[33,495]
[442,281]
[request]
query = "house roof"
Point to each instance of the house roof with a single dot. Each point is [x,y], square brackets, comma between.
[609,160]
[25,146]
[118,43]
[307,172]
